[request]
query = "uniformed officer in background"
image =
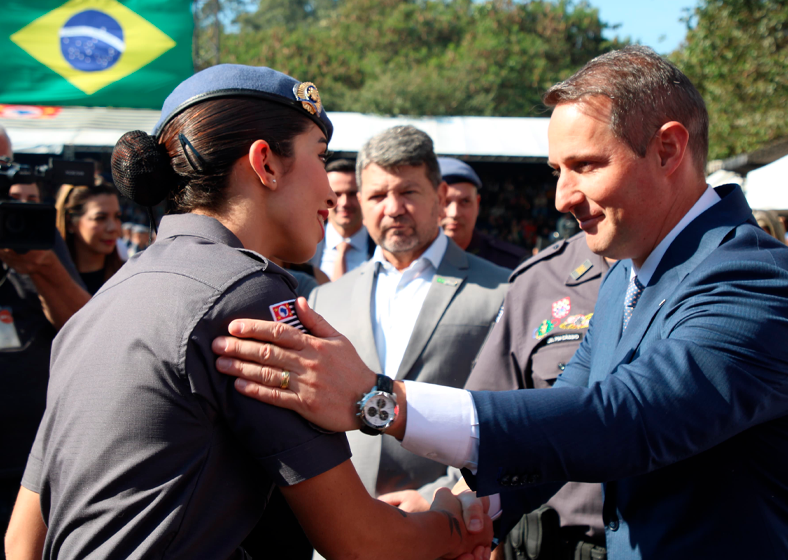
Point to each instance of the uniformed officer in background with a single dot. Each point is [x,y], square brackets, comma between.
[461,211]
[545,317]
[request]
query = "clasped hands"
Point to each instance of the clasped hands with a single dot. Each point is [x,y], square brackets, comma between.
[327,378]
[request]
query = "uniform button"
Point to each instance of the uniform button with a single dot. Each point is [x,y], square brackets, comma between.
[505,480]
[515,480]
[561,366]
[613,525]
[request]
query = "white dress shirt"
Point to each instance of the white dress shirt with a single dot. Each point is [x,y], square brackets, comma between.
[355,256]
[445,421]
[398,299]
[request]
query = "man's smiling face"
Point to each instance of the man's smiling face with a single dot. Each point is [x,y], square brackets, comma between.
[602,182]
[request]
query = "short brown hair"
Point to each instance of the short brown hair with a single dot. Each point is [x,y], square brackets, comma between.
[646,92]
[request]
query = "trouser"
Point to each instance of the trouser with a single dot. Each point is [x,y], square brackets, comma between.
[539,536]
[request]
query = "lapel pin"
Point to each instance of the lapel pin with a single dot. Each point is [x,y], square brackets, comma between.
[447,281]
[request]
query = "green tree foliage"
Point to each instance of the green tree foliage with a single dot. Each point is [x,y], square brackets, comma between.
[736,53]
[422,57]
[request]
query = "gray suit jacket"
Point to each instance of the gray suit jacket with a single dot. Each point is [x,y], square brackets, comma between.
[453,323]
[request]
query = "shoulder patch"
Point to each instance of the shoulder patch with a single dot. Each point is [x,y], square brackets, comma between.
[285,312]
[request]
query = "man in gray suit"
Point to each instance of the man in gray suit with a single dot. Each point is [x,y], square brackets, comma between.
[419,310]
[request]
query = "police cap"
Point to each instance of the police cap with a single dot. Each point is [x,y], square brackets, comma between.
[236,80]
[456,171]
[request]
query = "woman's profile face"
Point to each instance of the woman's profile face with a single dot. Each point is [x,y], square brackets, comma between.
[98,229]
[303,197]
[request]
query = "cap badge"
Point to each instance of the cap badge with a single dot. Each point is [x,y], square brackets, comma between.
[307,94]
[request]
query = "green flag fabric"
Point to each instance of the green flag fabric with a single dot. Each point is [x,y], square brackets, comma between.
[129,53]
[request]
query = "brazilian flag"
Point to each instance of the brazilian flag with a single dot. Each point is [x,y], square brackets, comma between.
[119,53]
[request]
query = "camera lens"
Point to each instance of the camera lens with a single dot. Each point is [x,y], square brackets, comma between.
[15,224]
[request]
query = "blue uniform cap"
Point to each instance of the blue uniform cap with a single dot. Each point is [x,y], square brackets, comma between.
[456,171]
[236,80]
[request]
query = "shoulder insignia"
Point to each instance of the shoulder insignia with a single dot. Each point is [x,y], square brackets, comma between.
[285,312]
[582,269]
[576,322]
[561,308]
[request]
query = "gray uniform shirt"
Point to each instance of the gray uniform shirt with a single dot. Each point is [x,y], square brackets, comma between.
[145,450]
[546,314]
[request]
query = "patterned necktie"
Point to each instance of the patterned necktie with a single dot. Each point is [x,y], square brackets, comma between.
[631,300]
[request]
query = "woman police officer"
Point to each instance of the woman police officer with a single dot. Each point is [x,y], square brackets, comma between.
[145,450]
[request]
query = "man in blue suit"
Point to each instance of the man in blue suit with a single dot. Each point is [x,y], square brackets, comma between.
[677,399]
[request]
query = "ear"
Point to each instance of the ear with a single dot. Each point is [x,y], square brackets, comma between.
[671,144]
[443,189]
[264,164]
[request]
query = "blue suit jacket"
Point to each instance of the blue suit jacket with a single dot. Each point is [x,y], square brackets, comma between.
[683,417]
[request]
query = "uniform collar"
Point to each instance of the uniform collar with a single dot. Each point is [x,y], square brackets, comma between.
[197,225]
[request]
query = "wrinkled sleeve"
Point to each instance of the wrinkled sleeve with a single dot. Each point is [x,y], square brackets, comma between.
[287,447]
[711,371]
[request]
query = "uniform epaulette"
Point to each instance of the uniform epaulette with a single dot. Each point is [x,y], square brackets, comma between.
[540,256]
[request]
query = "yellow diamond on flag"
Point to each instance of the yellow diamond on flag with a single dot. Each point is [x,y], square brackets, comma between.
[92,43]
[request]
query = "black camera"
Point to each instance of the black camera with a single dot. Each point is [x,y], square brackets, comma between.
[26,226]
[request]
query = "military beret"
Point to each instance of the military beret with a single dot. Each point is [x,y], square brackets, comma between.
[236,80]
[456,171]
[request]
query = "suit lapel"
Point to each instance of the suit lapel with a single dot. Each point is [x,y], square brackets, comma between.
[608,318]
[690,248]
[363,336]
[648,305]
[450,275]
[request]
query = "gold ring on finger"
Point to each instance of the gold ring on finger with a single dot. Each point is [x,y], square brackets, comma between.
[285,382]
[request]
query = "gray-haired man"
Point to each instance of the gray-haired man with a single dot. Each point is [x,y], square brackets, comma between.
[418,310]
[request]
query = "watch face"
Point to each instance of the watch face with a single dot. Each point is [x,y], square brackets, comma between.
[380,410]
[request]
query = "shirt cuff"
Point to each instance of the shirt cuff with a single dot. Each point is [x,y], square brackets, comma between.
[440,424]
[495,510]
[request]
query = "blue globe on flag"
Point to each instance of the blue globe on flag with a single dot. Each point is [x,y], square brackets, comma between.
[92,41]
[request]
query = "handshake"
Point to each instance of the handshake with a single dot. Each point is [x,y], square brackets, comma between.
[476,528]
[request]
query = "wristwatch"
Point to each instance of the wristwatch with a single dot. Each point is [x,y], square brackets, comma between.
[378,409]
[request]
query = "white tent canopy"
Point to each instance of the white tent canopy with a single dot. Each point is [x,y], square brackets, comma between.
[100,127]
[767,186]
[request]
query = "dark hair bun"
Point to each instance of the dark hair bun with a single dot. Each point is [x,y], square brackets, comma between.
[141,169]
